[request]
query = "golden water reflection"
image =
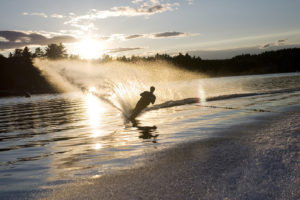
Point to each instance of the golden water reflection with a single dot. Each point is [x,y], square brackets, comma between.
[98,146]
[102,139]
[95,110]
[201,95]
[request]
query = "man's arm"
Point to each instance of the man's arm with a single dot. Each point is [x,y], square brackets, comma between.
[153,99]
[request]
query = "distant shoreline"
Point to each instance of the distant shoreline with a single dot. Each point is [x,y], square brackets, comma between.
[18,74]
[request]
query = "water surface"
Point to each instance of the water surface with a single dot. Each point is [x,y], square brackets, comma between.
[47,140]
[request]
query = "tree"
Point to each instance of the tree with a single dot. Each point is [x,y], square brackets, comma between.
[38,53]
[26,53]
[17,53]
[122,59]
[54,51]
[106,58]
[74,57]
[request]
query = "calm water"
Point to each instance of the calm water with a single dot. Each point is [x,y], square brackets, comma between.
[47,140]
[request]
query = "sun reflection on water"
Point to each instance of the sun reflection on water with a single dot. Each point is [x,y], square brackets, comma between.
[98,146]
[201,95]
[95,110]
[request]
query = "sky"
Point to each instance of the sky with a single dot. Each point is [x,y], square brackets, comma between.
[206,28]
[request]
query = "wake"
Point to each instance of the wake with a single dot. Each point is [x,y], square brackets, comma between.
[197,100]
[119,84]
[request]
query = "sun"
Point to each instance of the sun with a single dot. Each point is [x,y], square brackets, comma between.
[89,48]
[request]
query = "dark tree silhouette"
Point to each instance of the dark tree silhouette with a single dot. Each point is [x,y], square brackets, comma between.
[26,54]
[74,57]
[285,60]
[56,51]
[106,58]
[17,53]
[122,59]
[18,75]
[38,53]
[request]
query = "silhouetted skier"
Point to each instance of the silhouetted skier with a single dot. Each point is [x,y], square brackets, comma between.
[145,100]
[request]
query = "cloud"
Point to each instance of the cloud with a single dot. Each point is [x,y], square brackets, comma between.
[147,35]
[169,34]
[133,36]
[86,26]
[190,2]
[40,14]
[57,16]
[141,8]
[117,50]
[136,1]
[104,38]
[229,53]
[266,46]
[281,42]
[277,43]
[17,39]
[2,39]
[36,14]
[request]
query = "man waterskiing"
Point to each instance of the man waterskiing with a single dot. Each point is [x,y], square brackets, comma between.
[146,98]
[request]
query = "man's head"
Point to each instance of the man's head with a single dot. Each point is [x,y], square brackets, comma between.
[152,89]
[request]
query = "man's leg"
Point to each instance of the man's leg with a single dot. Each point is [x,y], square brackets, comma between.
[136,111]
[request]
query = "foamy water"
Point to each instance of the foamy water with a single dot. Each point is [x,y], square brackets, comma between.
[48,140]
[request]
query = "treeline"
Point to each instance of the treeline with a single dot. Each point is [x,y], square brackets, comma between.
[18,75]
[280,61]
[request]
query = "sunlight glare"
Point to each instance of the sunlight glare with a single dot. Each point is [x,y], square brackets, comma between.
[89,48]
[92,90]
[98,146]
[95,111]
[201,95]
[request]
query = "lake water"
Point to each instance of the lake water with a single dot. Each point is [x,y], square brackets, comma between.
[48,140]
